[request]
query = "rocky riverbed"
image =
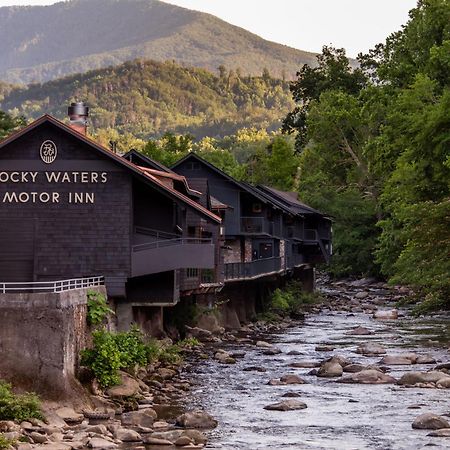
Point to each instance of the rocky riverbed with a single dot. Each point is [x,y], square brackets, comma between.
[355,374]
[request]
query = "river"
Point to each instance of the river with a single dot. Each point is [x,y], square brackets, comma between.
[338,416]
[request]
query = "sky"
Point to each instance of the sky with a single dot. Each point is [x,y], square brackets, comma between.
[356,25]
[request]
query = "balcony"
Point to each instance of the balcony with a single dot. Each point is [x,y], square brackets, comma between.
[252,269]
[171,254]
[256,225]
[311,235]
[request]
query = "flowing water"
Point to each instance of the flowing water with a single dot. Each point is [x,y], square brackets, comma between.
[338,416]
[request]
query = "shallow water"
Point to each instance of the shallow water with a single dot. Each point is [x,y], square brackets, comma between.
[339,416]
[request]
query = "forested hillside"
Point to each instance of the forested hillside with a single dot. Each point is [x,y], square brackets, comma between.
[149,98]
[41,43]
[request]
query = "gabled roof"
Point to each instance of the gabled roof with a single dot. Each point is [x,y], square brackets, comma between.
[242,186]
[135,170]
[140,159]
[291,200]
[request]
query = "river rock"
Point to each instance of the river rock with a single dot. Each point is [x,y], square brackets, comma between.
[443,383]
[292,379]
[128,387]
[183,440]
[361,295]
[39,438]
[339,359]
[196,419]
[166,374]
[263,344]
[150,440]
[126,435]
[272,351]
[368,376]
[386,314]
[353,368]
[142,418]
[286,405]
[412,378]
[443,432]
[69,415]
[304,364]
[224,357]
[199,333]
[393,360]
[254,369]
[370,349]
[330,369]
[425,359]
[430,421]
[359,331]
[101,444]
[324,348]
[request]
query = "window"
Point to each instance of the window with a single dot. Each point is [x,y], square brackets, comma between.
[191,273]
[256,207]
[193,166]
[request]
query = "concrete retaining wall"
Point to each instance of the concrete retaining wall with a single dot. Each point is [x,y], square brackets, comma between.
[41,336]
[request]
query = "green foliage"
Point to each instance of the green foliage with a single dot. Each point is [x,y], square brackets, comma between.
[6,444]
[126,350]
[8,124]
[97,308]
[376,155]
[291,300]
[18,407]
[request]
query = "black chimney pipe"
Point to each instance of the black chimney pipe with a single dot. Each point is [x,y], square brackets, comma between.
[78,115]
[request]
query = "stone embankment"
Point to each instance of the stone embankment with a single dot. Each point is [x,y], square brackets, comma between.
[153,407]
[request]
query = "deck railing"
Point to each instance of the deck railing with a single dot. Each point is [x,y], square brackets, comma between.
[50,286]
[170,242]
[252,269]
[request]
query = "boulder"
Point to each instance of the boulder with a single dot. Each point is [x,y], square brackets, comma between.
[443,432]
[69,415]
[224,357]
[443,383]
[183,440]
[359,331]
[353,368]
[128,387]
[430,421]
[126,435]
[330,369]
[324,348]
[143,418]
[196,419]
[199,333]
[292,379]
[150,440]
[362,294]
[339,359]
[370,349]
[286,405]
[263,344]
[272,351]
[166,374]
[425,359]
[393,360]
[368,376]
[412,378]
[100,443]
[304,364]
[386,314]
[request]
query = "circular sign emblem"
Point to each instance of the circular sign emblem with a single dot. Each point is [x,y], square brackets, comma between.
[48,151]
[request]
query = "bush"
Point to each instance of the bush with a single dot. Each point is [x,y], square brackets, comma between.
[18,407]
[114,351]
[291,300]
[97,308]
[5,444]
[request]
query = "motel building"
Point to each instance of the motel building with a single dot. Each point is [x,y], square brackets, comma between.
[76,215]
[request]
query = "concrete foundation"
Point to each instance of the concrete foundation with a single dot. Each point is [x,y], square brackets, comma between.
[41,336]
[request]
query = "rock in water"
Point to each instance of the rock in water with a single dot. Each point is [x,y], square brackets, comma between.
[443,432]
[126,435]
[386,315]
[286,405]
[430,421]
[370,349]
[69,415]
[359,331]
[393,360]
[292,379]
[412,378]
[143,418]
[370,376]
[196,419]
[330,369]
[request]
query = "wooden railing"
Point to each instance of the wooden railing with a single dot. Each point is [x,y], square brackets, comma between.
[252,269]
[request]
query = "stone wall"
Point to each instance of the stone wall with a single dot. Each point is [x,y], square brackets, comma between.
[41,336]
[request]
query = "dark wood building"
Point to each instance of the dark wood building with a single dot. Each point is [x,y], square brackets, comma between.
[71,209]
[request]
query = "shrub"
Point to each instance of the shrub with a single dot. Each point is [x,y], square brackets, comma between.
[97,308]
[5,444]
[18,407]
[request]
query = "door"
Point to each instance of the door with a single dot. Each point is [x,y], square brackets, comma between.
[265,250]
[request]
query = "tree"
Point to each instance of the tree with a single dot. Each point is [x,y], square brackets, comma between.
[8,124]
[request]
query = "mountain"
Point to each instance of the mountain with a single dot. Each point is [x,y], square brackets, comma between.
[149,98]
[41,43]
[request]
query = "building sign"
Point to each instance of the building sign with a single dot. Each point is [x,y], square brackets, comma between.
[53,179]
[48,152]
